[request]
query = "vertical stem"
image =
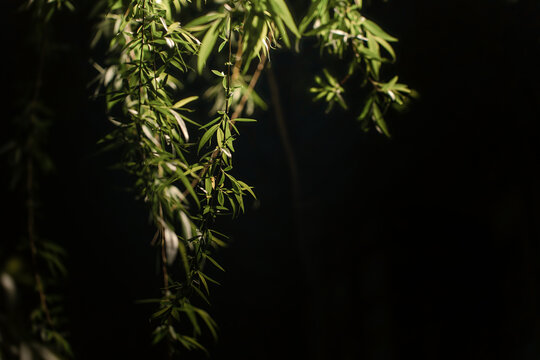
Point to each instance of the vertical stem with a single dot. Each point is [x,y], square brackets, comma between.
[164,266]
[163,255]
[229,69]
[141,58]
[237,60]
[237,111]
[240,107]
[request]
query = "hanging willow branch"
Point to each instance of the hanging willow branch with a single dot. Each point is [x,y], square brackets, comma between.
[341,30]
[180,160]
[185,183]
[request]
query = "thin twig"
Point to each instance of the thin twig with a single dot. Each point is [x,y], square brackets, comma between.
[163,254]
[236,114]
[252,83]
[344,80]
[228,70]
[143,8]
[237,60]
[164,266]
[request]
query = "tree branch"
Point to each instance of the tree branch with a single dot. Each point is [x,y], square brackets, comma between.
[252,83]
[236,114]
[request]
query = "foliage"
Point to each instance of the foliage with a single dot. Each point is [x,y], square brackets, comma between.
[345,33]
[181,158]
[30,162]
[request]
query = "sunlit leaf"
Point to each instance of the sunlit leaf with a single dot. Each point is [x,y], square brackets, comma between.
[207,45]
[185,101]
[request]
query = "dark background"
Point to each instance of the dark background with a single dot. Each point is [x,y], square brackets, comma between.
[420,246]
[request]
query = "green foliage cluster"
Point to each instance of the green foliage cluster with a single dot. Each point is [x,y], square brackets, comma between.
[186,183]
[181,159]
[183,167]
[344,32]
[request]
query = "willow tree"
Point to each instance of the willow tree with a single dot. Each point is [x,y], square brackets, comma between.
[181,159]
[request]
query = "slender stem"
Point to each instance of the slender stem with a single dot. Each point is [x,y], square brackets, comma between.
[344,80]
[252,83]
[237,60]
[236,114]
[163,253]
[164,264]
[141,58]
[229,70]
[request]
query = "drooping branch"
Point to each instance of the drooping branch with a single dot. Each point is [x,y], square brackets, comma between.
[238,60]
[238,110]
[240,107]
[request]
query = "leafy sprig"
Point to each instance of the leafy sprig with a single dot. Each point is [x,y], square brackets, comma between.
[180,160]
[344,33]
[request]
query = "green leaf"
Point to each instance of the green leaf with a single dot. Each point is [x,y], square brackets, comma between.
[387,46]
[207,136]
[366,110]
[221,46]
[332,80]
[244,120]
[205,19]
[389,85]
[218,73]
[206,276]
[190,343]
[283,32]
[369,54]
[247,187]
[280,9]
[210,323]
[161,312]
[316,6]
[187,184]
[203,281]
[189,310]
[220,135]
[181,123]
[379,120]
[214,262]
[375,49]
[185,101]
[207,45]
[377,31]
[201,294]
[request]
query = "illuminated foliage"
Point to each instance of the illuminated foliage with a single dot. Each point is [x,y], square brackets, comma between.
[180,158]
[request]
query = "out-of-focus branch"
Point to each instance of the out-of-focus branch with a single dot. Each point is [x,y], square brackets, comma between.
[284,136]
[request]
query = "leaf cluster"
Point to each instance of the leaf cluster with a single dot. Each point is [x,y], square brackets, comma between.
[181,167]
[343,32]
[181,161]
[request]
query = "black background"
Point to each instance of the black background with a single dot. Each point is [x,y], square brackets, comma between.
[420,246]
